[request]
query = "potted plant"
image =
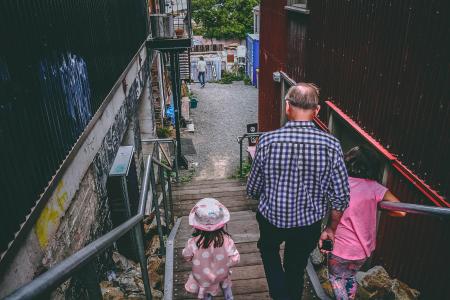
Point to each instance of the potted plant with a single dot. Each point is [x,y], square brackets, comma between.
[179,32]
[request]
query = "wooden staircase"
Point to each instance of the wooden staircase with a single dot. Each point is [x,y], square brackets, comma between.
[185,65]
[249,281]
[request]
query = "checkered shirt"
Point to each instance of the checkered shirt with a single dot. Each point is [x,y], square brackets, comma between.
[298,169]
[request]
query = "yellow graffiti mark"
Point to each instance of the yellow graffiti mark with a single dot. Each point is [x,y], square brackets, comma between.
[49,219]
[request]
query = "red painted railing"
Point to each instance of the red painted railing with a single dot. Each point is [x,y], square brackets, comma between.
[409,175]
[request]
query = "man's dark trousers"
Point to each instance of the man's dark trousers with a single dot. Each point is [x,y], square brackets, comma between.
[286,284]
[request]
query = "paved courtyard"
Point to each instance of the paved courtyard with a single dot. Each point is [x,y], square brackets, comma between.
[222,114]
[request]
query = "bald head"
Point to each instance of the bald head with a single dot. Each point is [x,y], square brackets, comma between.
[303,95]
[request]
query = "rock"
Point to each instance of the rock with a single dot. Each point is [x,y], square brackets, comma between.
[322,273]
[110,292]
[377,284]
[402,291]
[157,295]
[317,258]
[130,282]
[374,279]
[106,284]
[153,246]
[155,266]
[136,297]
[121,262]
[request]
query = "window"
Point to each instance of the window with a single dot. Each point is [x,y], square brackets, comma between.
[256,17]
[299,6]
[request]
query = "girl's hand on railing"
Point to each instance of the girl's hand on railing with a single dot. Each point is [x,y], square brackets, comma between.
[388,196]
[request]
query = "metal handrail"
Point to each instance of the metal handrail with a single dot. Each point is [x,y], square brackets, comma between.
[79,260]
[166,141]
[415,209]
[239,140]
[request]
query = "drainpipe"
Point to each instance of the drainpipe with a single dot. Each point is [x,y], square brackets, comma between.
[176,83]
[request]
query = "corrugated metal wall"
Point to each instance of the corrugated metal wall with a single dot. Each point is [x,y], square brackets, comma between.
[386,64]
[272,57]
[57,62]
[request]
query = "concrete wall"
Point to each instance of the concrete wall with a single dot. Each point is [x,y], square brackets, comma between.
[77,212]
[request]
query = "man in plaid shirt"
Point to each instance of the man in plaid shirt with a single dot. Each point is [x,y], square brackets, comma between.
[297,174]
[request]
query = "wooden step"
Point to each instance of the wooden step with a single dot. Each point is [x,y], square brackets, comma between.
[203,190]
[208,186]
[216,195]
[240,287]
[206,182]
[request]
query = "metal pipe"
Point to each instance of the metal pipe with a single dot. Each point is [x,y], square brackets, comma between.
[142,260]
[175,146]
[175,96]
[167,141]
[163,141]
[162,180]
[157,162]
[64,270]
[144,187]
[240,158]
[240,140]
[168,272]
[415,209]
[157,212]
[166,157]
[169,189]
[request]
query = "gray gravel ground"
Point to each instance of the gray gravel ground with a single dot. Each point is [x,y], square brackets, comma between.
[222,114]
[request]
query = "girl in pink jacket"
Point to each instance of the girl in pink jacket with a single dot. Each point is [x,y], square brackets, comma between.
[356,234]
[211,251]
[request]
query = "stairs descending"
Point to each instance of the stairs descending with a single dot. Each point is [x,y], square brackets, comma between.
[185,65]
[249,281]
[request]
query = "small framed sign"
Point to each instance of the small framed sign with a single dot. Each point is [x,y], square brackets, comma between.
[251,128]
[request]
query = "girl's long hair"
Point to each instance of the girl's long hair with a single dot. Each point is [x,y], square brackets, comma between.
[362,162]
[208,237]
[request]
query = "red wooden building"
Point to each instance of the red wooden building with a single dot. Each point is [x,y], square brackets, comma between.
[384,72]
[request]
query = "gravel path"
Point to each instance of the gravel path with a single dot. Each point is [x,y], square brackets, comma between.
[222,114]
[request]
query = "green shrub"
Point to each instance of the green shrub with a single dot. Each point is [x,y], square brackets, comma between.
[163,132]
[247,80]
[229,77]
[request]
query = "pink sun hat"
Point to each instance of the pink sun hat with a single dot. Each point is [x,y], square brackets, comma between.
[209,215]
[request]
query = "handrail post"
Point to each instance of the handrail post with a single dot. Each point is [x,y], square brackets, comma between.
[142,260]
[175,149]
[169,189]
[162,182]
[157,212]
[240,157]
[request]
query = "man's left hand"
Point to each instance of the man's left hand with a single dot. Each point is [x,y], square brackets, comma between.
[327,234]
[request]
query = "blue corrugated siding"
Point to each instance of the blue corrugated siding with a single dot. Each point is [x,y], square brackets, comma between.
[252,59]
[255,62]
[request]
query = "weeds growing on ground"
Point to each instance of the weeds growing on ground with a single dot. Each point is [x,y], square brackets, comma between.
[246,167]
[247,80]
[187,177]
